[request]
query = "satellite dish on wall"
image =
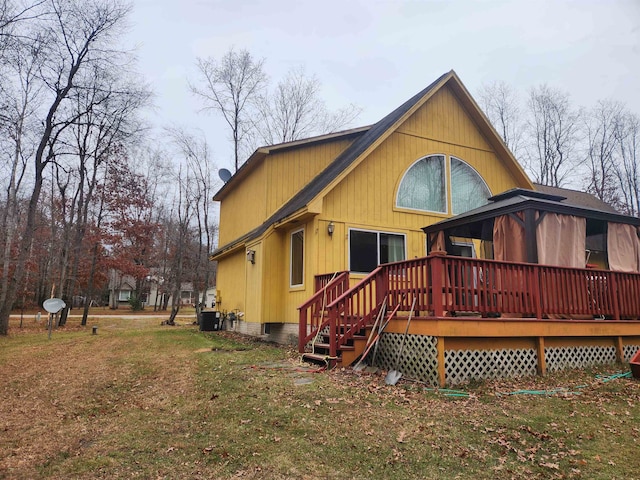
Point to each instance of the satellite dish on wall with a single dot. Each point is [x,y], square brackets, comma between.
[224,174]
[54,305]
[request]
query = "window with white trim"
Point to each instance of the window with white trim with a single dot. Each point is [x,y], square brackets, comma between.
[368,249]
[124,295]
[297,258]
[425,185]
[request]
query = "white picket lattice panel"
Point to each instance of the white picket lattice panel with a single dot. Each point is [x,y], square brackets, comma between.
[629,351]
[463,366]
[561,358]
[419,359]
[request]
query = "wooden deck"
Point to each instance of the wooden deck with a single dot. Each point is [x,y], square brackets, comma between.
[460,301]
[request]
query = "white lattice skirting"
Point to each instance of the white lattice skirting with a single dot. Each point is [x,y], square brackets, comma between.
[561,358]
[419,356]
[630,351]
[420,359]
[463,366]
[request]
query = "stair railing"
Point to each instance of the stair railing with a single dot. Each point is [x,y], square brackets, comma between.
[312,317]
[356,308]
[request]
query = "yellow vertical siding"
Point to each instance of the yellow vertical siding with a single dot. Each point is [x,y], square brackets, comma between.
[254,289]
[243,207]
[270,183]
[293,297]
[231,281]
[274,277]
[290,170]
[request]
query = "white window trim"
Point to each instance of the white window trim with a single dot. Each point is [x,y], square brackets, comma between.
[377,232]
[447,182]
[293,232]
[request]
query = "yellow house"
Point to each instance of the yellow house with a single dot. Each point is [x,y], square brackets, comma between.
[350,201]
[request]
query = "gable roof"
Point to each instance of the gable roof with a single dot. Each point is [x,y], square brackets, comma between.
[371,137]
[262,152]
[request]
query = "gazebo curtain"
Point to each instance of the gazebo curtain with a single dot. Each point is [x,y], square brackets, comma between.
[623,247]
[561,240]
[508,239]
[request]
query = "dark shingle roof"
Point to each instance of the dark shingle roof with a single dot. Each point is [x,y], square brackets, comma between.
[342,161]
[575,197]
[519,199]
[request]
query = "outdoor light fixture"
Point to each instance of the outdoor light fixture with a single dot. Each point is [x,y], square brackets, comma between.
[330,228]
[251,256]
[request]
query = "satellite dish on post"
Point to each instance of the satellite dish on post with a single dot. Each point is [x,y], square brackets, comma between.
[54,305]
[224,174]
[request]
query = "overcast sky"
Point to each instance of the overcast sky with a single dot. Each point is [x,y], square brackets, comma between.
[377,54]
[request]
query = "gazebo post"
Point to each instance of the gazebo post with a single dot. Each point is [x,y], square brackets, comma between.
[531,246]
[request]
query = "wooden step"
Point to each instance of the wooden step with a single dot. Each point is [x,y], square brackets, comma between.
[319,359]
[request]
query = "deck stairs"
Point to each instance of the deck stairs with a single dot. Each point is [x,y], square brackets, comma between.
[336,323]
[347,354]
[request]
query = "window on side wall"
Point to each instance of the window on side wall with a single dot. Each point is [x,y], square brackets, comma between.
[297,258]
[368,249]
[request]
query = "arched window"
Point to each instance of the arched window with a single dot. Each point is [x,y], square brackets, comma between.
[423,186]
[468,188]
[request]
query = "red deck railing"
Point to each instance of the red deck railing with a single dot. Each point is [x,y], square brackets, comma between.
[465,286]
[312,313]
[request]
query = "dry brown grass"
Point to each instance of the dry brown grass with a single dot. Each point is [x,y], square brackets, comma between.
[141,400]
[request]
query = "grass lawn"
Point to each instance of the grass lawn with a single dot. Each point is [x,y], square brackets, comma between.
[140,400]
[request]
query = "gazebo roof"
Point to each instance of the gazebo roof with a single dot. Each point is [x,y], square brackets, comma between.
[471,224]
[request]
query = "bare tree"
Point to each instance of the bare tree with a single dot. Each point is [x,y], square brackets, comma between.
[501,105]
[20,97]
[199,174]
[295,110]
[79,35]
[179,239]
[229,86]
[107,120]
[553,128]
[627,168]
[602,133]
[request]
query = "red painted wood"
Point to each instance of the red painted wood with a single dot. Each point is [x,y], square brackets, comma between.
[442,284]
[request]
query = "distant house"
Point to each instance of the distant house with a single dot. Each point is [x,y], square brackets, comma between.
[154,292]
[352,200]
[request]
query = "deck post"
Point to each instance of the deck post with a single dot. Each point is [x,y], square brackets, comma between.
[382,285]
[616,295]
[333,333]
[437,282]
[302,329]
[542,362]
[534,281]
[442,376]
[619,350]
